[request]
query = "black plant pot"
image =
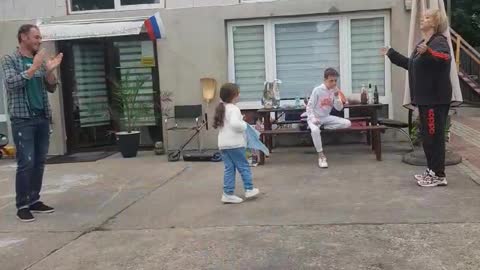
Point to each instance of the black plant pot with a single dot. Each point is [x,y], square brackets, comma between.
[128,143]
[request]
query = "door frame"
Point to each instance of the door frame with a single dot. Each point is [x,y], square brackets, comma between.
[68,81]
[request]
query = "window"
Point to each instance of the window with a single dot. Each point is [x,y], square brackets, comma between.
[90,96]
[249,58]
[81,5]
[130,53]
[298,50]
[138,2]
[367,39]
[95,5]
[303,51]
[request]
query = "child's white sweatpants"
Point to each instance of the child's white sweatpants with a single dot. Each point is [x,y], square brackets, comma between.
[329,122]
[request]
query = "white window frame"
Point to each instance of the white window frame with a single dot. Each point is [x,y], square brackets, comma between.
[117,7]
[344,21]
[387,98]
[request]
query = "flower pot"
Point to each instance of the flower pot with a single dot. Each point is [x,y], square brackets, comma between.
[128,143]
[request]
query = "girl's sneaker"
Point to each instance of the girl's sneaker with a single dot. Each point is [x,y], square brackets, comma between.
[231,199]
[322,163]
[250,193]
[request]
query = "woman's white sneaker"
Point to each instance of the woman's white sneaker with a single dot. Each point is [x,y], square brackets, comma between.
[432,180]
[231,199]
[250,193]
[421,177]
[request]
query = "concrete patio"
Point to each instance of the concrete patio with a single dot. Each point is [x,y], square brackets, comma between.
[146,213]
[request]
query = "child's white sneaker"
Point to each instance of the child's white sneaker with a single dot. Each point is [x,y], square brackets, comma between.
[250,193]
[322,162]
[231,199]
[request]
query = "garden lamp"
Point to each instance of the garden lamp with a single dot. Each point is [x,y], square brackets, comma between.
[209,86]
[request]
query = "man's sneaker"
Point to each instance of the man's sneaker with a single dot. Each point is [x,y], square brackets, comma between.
[231,199]
[40,207]
[250,193]
[25,215]
[322,163]
[421,177]
[431,180]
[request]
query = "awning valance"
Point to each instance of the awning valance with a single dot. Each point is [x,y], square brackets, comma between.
[67,31]
[79,29]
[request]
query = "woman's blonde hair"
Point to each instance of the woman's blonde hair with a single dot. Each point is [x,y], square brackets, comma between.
[440,18]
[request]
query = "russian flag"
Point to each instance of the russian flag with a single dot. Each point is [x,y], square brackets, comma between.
[154,27]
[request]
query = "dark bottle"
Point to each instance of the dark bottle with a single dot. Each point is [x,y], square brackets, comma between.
[375,96]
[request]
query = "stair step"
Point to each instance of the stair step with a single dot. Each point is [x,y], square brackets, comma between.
[471,80]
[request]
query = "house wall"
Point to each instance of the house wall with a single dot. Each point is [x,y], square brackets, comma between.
[196,44]
[31,10]
[28,9]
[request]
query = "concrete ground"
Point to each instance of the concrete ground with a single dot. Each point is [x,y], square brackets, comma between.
[146,213]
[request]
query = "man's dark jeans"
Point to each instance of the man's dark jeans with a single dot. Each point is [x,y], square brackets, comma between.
[32,139]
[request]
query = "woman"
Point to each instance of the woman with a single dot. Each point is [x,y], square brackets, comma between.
[431,91]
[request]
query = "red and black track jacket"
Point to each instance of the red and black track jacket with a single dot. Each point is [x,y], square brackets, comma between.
[428,73]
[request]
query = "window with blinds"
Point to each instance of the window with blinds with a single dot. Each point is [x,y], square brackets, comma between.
[297,51]
[368,36]
[90,96]
[249,59]
[303,52]
[130,53]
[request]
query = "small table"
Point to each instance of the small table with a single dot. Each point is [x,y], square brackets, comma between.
[265,113]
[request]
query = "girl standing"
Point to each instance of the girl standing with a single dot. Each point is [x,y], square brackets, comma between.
[232,143]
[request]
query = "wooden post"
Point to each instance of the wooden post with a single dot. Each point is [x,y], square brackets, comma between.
[449,10]
[458,50]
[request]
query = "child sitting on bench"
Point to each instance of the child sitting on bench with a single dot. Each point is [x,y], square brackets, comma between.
[323,99]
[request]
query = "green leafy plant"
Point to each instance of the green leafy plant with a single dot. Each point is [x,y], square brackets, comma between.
[416,135]
[127,108]
[466,20]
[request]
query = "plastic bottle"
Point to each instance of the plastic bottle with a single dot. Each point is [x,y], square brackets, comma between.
[297,102]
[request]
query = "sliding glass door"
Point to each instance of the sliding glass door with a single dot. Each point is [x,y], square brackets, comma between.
[89,71]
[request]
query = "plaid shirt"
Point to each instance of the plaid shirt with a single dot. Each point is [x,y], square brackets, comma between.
[15,82]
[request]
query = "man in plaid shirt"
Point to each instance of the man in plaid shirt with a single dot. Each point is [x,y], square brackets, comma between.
[28,77]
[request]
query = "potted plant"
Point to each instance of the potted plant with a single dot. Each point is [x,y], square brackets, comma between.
[127,109]
[417,157]
[416,136]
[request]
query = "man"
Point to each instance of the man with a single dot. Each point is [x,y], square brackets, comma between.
[323,99]
[28,77]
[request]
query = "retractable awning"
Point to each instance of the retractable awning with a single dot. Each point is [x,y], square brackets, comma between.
[80,29]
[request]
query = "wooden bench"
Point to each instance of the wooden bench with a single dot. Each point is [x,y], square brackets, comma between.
[374,130]
[290,122]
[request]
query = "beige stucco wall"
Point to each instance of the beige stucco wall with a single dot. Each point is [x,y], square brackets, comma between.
[196,47]
[35,9]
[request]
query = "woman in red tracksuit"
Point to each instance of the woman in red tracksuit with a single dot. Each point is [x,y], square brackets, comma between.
[431,91]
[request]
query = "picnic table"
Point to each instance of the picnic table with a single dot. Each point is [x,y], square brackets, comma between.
[369,114]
